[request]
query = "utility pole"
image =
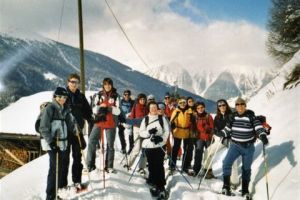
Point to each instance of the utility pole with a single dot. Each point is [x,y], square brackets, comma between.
[82,73]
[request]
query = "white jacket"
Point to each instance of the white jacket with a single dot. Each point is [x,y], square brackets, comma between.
[162,132]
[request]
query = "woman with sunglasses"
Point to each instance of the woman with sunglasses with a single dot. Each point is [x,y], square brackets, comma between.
[220,120]
[180,125]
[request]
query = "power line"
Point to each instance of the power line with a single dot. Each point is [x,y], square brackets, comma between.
[126,36]
[61,16]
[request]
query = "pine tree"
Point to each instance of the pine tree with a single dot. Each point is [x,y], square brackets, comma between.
[284,36]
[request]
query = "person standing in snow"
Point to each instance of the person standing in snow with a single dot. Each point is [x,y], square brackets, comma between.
[81,111]
[242,129]
[205,126]
[181,127]
[56,123]
[222,117]
[126,106]
[105,121]
[138,112]
[154,136]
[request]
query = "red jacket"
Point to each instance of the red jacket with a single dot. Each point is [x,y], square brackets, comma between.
[109,99]
[138,111]
[205,126]
[169,110]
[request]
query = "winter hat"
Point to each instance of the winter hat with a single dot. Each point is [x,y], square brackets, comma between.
[240,100]
[127,92]
[167,95]
[107,80]
[141,96]
[150,97]
[60,91]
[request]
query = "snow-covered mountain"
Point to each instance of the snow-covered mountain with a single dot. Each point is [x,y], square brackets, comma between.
[213,84]
[282,156]
[33,64]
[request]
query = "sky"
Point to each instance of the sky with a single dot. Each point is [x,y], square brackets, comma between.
[194,34]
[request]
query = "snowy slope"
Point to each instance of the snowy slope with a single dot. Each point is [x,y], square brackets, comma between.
[283,154]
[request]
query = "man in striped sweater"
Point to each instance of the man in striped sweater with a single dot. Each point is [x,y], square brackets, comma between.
[242,129]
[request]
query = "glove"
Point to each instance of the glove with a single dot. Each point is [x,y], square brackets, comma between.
[53,146]
[264,139]
[173,125]
[103,110]
[156,139]
[153,131]
[100,118]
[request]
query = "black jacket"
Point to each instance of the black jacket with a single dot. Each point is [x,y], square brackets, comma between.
[80,107]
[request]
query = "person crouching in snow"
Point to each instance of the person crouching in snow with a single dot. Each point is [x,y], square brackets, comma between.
[56,122]
[155,131]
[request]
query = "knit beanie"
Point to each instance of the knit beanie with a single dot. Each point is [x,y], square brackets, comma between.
[60,91]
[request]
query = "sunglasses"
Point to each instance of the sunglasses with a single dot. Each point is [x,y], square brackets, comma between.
[61,97]
[222,105]
[240,104]
[74,82]
[126,94]
[167,97]
[182,102]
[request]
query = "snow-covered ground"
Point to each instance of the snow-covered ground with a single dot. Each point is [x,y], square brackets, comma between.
[283,153]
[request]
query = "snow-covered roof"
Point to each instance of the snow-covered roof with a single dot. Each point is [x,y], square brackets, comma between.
[19,117]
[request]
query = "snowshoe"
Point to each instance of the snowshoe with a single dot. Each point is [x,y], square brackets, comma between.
[79,187]
[163,195]
[247,196]
[227,192]
[111,170]
[154,191]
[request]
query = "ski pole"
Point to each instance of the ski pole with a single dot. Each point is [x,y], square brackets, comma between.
[203,166]
[140,158]
[178,169]
[102,142]
[124,157]
[82,153]
[56,169]
[209,165]
[266,171]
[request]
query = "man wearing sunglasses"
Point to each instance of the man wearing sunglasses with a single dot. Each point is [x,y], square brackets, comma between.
[81,111]
[242,129]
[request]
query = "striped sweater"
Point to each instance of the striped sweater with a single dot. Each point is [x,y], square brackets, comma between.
[243,128]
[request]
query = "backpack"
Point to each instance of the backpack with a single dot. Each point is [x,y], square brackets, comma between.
[38,120]
[262,120]
[160,120]
[264,123]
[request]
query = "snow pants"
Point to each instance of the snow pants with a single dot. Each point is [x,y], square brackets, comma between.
[51,179]
[155,157]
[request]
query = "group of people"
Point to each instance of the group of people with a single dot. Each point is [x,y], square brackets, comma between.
[156,130]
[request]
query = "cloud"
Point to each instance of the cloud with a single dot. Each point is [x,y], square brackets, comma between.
[161,35]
